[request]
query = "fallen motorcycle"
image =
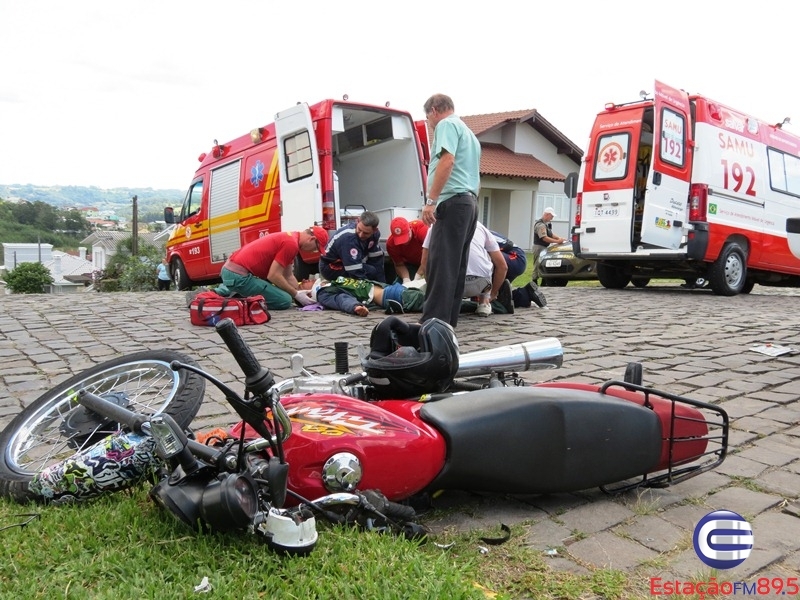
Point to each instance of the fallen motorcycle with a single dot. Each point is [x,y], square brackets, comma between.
[351,447]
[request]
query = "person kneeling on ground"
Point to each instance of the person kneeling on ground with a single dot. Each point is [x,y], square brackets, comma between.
[264,267]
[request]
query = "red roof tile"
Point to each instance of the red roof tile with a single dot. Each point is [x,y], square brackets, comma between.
[499,161]
[480,124]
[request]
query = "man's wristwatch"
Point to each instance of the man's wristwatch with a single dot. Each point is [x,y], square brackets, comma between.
[429,202]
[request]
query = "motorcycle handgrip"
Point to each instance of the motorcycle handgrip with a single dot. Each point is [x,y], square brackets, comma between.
[249,364]
[112,411]
[256,378]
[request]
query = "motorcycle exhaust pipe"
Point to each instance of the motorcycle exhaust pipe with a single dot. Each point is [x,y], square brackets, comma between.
[527,356]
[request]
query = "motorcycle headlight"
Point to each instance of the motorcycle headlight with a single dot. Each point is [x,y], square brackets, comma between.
[182,499]
[230,502]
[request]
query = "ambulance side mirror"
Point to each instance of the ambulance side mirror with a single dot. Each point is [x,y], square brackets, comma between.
[169,215]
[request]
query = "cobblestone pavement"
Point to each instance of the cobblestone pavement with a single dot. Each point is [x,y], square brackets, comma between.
[690,342]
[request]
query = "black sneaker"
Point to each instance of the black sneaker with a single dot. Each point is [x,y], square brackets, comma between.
[504,296]
[393,307]
[536,294]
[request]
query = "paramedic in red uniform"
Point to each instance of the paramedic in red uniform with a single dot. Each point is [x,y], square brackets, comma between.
[354,251]
[404,247]
[264,266]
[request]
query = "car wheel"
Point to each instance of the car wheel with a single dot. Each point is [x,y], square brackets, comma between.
[728,274]
[611,277]
[640,282]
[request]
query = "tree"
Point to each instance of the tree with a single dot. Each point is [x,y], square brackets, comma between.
[129,273]
[29,278]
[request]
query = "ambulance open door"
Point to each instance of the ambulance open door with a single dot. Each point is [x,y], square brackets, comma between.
[300,178]
[667,195]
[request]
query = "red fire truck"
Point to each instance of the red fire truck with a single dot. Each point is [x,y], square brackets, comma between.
[682,186]
[310,166]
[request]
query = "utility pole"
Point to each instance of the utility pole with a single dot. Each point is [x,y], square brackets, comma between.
[135,236]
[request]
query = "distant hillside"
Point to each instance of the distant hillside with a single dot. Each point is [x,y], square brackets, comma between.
[117,200]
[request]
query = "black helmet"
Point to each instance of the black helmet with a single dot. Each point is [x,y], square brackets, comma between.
[409,359]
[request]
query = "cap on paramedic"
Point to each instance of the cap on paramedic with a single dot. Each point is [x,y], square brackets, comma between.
[549,211]
[400,230]
[321,235]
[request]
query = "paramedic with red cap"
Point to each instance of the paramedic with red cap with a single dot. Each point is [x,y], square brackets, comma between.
[264,266]
[404,247]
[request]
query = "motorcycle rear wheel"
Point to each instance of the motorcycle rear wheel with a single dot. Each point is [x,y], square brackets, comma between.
[54,426]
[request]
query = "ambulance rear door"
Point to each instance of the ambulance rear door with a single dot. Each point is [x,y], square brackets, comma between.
[665,207]
[300,177]
[607,181]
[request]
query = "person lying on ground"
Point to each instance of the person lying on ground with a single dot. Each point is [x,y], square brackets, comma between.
[356,296]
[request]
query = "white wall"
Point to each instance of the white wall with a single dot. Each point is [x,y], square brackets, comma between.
[20,253]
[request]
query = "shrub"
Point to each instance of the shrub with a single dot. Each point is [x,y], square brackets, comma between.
[29,278]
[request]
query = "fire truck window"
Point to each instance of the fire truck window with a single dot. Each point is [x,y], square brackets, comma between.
[612,157]
[192,202]
[297,153]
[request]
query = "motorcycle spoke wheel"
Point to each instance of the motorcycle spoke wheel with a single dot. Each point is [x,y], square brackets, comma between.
[55,427]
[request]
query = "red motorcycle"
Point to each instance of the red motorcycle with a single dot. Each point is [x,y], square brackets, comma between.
[352,447]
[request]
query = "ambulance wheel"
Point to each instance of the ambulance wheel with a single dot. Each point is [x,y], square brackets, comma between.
[727,275]
[611,277]
[748,286]
[179,276]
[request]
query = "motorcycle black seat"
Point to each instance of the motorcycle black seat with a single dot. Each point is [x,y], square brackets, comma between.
[529,440]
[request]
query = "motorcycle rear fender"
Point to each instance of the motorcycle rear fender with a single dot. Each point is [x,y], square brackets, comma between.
[528,440]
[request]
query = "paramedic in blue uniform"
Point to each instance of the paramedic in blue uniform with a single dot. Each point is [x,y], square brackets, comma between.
[355,251]
[451,208]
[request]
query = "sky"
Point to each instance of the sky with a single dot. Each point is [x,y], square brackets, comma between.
[129,94]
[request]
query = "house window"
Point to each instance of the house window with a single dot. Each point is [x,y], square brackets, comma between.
[485,209]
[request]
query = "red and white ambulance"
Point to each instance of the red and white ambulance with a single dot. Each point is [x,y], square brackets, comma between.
[295,172]
[682,186]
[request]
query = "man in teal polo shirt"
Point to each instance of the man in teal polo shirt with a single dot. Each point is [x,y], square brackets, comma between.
[452,205]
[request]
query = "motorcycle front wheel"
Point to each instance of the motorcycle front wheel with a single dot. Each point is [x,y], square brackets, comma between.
[54,426]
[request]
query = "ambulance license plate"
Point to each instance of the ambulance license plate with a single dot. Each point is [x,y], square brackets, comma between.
[552,263]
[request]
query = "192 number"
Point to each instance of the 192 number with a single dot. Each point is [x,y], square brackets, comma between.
[740,176]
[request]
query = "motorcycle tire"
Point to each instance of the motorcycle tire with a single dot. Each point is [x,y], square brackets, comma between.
[55,427]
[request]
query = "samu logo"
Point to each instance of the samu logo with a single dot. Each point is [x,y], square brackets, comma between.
[723,539]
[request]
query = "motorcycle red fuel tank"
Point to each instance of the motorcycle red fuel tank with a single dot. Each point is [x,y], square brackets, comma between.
[399,453]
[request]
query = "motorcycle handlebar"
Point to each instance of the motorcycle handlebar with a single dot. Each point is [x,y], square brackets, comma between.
[257,379]
[241,351]
[108,409]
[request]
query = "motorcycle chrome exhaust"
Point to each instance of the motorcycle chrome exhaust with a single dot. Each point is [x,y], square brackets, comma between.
[527,356]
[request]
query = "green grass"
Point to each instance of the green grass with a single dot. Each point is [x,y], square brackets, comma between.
[123,546]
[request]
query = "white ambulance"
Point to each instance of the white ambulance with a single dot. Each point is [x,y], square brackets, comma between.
[681,186]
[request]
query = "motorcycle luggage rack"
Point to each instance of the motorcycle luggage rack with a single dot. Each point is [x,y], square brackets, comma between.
[716,438]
